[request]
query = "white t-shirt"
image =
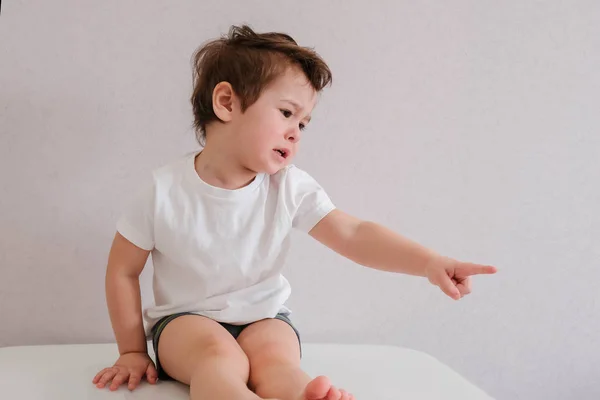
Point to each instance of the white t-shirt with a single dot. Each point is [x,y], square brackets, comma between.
[219,252]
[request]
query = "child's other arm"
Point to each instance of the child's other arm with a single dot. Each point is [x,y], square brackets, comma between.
[125,264]
[375,246]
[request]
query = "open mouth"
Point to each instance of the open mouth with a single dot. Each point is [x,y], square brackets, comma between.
[282,152]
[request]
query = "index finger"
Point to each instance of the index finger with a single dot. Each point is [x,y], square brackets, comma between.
[134,380]
[478,269]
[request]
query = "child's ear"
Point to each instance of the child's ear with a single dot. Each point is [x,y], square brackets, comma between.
[223,100]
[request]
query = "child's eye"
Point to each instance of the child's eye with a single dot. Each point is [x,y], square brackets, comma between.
[287,114]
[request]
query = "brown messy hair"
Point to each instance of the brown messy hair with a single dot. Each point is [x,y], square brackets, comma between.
[249,61]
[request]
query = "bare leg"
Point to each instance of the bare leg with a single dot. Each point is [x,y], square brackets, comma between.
[199,352]
[274,354]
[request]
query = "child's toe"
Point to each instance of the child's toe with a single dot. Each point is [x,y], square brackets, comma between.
[333,394]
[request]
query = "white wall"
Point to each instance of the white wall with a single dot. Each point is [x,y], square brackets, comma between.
[470,126]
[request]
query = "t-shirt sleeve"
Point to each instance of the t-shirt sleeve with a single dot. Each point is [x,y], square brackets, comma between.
[136,222]
[309,201]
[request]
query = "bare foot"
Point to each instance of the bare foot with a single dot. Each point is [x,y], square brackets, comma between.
[320,388]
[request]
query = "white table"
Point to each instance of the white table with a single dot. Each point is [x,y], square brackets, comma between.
[369,372]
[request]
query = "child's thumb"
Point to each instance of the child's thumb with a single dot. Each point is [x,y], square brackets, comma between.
[151,373]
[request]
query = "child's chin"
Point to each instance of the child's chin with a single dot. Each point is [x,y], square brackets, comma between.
[273,171]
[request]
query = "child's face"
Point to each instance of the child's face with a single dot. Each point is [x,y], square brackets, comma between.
[271,128]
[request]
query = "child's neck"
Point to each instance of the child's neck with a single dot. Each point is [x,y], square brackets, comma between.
[216,166]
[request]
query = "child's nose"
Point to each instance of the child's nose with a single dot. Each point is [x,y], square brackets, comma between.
[293,135]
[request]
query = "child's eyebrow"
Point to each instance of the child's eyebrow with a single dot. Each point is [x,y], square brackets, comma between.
[297,107]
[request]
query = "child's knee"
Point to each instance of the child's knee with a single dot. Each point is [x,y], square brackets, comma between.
[190,344]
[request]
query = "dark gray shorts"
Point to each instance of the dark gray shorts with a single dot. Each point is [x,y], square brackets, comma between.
[234,330]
